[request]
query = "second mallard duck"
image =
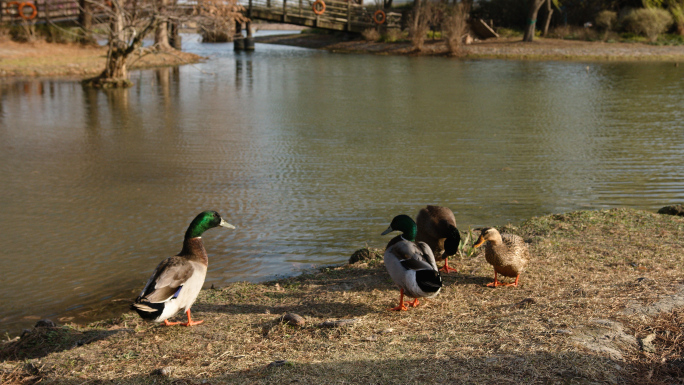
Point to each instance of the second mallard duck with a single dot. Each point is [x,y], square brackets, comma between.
[411,266]
[508,253]
[437,228]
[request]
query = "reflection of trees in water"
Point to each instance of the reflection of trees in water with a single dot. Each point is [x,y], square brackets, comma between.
[244,70]
[92,113]
[168,84]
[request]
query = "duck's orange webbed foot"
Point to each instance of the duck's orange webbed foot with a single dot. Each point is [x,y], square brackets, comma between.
[401,306]
[167,323]
[495,283]
[413,303]
[514,283]
[447,269]
[190,321]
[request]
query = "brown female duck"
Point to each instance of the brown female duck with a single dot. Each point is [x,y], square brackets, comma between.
[508,254]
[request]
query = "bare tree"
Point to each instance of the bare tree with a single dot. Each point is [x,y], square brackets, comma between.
[419,24]
[217,19]
[456,25]
[549,13]
[532,19]
[161,33]
[129,24]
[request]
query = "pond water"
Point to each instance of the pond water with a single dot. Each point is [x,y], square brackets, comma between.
[309,154]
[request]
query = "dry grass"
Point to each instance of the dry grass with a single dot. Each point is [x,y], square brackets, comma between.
[49,59]
[587,266]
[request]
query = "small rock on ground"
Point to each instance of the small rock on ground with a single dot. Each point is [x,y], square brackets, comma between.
[672,210]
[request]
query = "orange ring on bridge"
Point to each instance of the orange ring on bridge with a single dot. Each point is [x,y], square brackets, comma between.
[318,7]
[379,16]
[34,11]
[7,10]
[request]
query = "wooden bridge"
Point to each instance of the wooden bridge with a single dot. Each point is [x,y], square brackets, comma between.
[339,15]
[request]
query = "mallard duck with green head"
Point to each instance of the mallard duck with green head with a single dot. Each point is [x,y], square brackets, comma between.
[508,253]
[177,281]
[411,265]
[437,228]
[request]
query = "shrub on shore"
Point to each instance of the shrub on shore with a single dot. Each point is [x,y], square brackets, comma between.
[650,22]
[606,21]
[370,34]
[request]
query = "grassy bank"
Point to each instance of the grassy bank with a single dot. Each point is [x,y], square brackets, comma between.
[598,284]
[51,59]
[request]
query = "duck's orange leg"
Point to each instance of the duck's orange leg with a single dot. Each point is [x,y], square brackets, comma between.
[413,303]
[167,323]
[446,267]
[190,321]
[401,302]
[495,283]
[514,283]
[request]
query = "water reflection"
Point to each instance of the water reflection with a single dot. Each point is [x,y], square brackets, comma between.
[309,154]
[244,72]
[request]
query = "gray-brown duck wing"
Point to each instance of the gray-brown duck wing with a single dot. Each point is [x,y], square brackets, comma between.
[167,278]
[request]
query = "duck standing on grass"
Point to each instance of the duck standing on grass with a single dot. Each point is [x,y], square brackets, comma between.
[411,266]
[177,281]
[437,228]
[508,254]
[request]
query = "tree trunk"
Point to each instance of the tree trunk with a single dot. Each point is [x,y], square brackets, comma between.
[85,20]
[532,19]
[416,14]
[115,74]
[161,34]
[549,13]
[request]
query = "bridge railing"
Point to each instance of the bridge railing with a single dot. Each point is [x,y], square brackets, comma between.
[46,10]
[338,14]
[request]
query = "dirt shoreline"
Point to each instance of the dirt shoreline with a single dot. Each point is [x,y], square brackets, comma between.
[511,48]
[42,59]
[602,301]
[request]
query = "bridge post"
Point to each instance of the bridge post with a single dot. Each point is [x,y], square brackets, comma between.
[349,4]
[238,40]
[284,11]
[249,40]
[249,12]
[85,19]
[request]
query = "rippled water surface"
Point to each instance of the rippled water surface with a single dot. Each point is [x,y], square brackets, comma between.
[310,154]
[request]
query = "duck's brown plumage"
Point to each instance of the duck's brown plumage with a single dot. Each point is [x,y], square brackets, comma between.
[436,225]
[507,253]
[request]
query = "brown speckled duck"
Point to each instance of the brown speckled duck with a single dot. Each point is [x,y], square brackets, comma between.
[437,228]
[508,254]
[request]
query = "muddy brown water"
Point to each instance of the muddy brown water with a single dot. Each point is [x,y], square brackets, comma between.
[310,154]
